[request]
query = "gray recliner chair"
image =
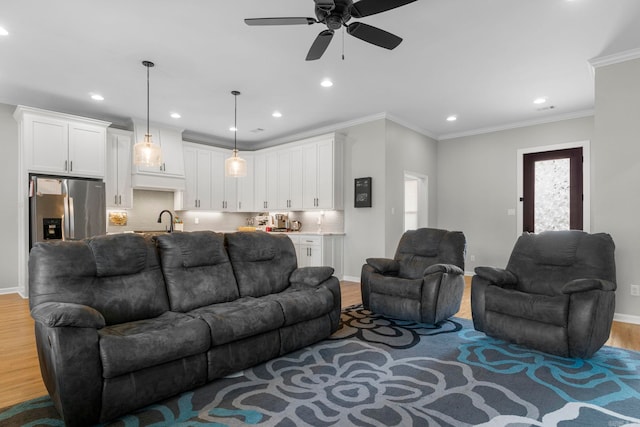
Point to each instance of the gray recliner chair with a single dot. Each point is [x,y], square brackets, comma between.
[425,280]
[556,295]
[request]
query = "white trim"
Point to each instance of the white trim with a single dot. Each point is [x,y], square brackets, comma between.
[626,318]
[586,180]
[516,125]
[412,127]
[12,290]
[351,279]
[616,58]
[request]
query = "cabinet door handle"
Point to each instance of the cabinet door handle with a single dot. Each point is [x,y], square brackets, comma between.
[71,166]
[115,199]
[65,165]
[120,199]
[239,205]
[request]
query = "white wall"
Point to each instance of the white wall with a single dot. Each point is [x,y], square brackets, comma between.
[477,184]
[9,197]
[364,156]
[407,150]
[616,174]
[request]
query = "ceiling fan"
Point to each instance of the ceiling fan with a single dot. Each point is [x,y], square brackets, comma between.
[335,14]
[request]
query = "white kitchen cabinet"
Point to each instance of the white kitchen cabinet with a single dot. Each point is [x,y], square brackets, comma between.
[119,193]
[198,179]
[322,174]
[170,141]
[289,178]
[314,250]
[265,180]
[245,184]
[62,144]
[223,188]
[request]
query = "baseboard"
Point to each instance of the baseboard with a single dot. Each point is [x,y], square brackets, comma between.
[351,279]
[13,290]
[626,318]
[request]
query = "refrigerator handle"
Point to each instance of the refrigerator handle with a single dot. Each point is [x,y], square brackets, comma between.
[69,220]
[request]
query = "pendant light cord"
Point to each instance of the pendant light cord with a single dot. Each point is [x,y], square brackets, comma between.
[235,94]
[147,65]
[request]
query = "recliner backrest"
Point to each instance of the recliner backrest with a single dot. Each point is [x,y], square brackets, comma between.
[421,248]
[197,269]
[118,275]
[262,262]
[544,262]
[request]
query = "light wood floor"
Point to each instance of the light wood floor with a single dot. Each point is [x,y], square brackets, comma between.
[20,373]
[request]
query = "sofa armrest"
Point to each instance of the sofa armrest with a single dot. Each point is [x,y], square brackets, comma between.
[497,276]
[310,276]
[443,268]
[58,314]
[384,265]
[583,285]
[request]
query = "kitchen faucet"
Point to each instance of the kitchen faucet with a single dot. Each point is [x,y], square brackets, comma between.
[170,219]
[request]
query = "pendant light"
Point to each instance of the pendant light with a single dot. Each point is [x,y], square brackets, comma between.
[146,153]
[235,166]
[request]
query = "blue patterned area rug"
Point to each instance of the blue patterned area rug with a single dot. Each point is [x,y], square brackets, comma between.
[380,372]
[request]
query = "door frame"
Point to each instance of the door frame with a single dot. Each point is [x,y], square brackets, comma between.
[423,197]
[586,180]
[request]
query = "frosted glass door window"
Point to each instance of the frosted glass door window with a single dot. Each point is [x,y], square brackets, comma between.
[410,204]
[552,195]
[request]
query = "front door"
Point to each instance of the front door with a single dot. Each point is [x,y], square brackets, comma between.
[552,193]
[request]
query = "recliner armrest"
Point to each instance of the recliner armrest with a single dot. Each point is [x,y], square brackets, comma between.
[497,276]
[59,314]
[443,268]
[583,285]
[384,265]
[310,276]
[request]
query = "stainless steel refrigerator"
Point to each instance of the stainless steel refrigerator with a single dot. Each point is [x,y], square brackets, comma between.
[65,208]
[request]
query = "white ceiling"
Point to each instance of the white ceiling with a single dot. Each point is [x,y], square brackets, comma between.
[482,60]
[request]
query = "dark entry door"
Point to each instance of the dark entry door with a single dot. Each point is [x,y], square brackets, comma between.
[552,193]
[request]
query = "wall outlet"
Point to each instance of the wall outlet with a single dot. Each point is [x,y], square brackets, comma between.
[472,257]
[635,290]
[197,220]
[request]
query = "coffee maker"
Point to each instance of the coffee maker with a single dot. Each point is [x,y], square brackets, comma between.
[280,222]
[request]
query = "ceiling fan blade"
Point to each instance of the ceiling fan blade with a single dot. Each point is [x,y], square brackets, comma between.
[374,35]
[280,21]
[371,7]
[319,45]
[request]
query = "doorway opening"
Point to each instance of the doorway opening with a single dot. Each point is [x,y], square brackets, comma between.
[553,186]
[416,208]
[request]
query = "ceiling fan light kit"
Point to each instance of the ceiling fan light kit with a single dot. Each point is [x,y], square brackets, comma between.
[335,14]
[146,153]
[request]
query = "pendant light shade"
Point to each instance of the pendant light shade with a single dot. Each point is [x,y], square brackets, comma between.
[235,166]
[146,153]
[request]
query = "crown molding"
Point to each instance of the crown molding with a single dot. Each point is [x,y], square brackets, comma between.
[412,127]
[616,58]
[516,125]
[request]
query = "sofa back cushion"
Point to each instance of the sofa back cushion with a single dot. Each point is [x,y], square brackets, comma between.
[424,247]
[262,262]
[118,275]
[197,269]
[544,262]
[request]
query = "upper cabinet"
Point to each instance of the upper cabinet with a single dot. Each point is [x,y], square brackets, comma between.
[118,189]
[62,144]
[171,173]
[322,174]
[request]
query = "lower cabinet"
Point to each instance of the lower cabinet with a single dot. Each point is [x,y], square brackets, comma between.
[315,250]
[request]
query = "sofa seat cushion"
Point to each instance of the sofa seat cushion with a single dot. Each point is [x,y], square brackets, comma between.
[129,347]
[396,286]
[299,305]
[553,310]
[242,318]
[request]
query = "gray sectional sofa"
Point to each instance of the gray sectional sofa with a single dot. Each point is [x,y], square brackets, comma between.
[125,320]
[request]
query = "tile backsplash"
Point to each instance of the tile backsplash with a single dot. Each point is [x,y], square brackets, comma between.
[147,205]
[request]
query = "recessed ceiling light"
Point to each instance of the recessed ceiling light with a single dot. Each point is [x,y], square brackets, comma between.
[97,97]
[326,83]
[175,115]
[3,32]
[277,114]
[540,100]
[452,118]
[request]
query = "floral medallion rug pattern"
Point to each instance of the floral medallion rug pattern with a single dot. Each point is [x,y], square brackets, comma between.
[382,372]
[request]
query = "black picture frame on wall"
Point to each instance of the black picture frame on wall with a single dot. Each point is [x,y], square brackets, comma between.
[362,194]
